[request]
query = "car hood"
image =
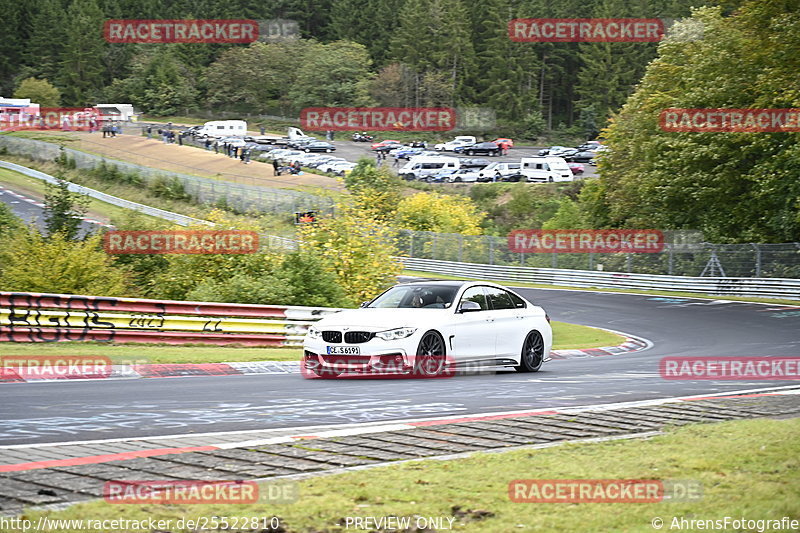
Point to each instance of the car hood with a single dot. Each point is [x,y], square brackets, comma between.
[383,319]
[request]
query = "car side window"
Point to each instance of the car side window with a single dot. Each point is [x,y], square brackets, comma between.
[519,303]
[500,299]
[475,294]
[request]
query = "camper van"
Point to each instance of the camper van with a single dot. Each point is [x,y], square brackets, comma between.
[223,128]
[552,168]
[420,167]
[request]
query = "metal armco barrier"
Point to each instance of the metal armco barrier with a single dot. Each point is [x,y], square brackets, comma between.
[751,287]
[26,317]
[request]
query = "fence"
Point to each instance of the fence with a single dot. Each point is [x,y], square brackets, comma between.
[238,196]
[751,287]
[26,317]
[699,259]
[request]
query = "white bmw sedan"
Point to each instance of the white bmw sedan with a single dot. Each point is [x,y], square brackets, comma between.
[429,328]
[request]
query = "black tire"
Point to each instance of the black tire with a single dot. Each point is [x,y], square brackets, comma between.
[431,356]
[409,177]
[470,152]
[532,355]
[550,179]
[457,180]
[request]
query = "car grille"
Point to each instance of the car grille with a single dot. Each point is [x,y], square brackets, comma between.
[357,337]
[332,336]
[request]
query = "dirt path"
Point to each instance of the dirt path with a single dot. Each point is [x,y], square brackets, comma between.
[192,160]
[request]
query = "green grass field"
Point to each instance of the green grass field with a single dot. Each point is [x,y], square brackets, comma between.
[568,336]
[747,469]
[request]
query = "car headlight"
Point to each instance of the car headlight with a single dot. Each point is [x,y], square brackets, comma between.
[313,333]
[394,334]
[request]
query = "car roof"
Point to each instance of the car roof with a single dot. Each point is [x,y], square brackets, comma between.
[448,282]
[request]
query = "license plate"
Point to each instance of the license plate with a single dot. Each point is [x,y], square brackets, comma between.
[344,350]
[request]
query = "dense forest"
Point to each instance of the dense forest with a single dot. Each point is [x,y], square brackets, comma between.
[352,52]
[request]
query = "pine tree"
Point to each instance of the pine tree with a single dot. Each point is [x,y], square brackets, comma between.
[81,72]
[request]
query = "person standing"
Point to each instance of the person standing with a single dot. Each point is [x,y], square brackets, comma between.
[216,147]
[149,131]
[262,129]
[180,139]
[276,171]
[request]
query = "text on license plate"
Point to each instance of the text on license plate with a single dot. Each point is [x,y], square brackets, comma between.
[344,350]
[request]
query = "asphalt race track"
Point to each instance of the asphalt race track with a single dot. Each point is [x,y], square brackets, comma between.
[111,409]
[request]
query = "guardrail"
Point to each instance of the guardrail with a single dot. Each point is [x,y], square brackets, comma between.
[29,317]
[752,287]
[177,218]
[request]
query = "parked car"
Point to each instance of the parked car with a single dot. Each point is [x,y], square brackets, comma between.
[428,329]
[475,163]
[576,168]
[496,171]
[386,143]
[462,140]
[580,157]
[490,149]
[362,137]
[553,149]
[233,141]
[328,166]
[564,153]
[464,175]
[319,146]
[405,152]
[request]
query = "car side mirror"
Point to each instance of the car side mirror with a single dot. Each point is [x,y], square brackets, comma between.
[468,307]
[364,304]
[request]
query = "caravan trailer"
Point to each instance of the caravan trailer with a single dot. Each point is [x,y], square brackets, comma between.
[223,128]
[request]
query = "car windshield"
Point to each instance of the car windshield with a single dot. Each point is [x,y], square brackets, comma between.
[416,296]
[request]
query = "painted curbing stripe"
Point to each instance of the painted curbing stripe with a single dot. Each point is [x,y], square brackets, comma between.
[95,459]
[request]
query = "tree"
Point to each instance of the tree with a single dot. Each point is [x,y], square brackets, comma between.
[439,213]
[735,187]
[57,264]
[159,83]
[357,249]
[39,91]
[335,74]
[375,191]
[81,72]
[63,209]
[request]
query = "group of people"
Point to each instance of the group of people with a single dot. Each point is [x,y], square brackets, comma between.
[110,129]
[381,156]
[293,168]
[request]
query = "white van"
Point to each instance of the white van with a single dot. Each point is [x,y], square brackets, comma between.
[420,167]
[461,140]
[224,128]
[550,168]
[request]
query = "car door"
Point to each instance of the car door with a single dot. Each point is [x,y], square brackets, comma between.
[474,337]
[507,321]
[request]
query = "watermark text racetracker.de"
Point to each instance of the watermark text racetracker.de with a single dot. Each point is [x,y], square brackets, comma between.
[188,492]
[730,368]
[378,118]
[604,490]
[585,241]
[181,242]
[50,118]
[48,367]
[181,31]
[721,120]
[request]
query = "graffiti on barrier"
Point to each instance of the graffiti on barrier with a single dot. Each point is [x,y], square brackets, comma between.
[27,322]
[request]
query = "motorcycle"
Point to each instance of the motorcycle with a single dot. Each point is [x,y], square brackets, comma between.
[362,138]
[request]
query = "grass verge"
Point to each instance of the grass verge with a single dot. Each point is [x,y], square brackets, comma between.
[434,275]
[36,188]
[748,469]
[568,336]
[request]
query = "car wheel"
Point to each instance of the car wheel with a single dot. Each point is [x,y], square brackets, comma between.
[328,150]
[470,152]
[550,179]
[306,150]
[430,361]
[457,180]
[532,355]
